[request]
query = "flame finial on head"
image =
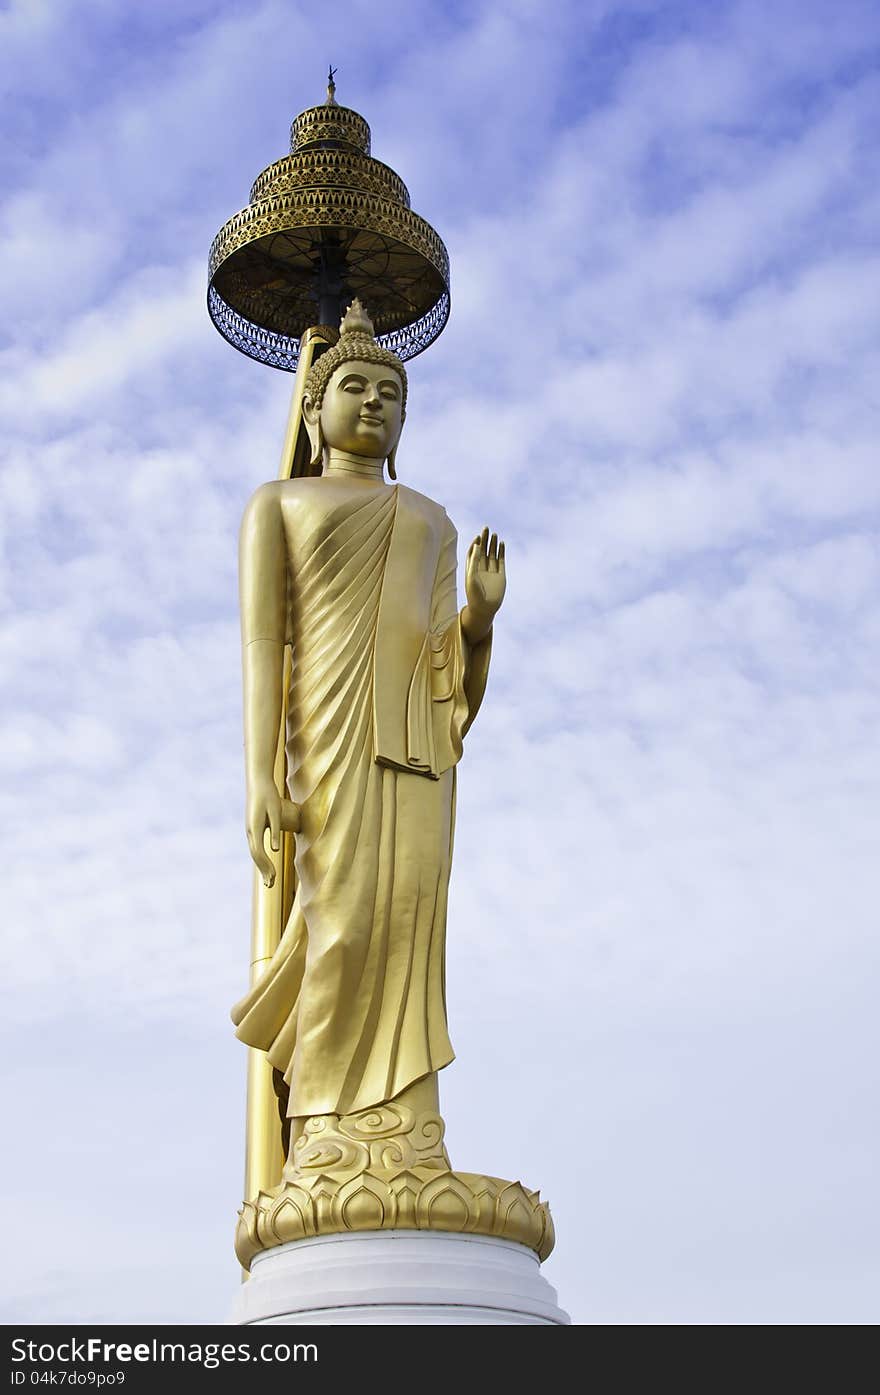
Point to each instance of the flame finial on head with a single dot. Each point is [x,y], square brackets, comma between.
[357,321]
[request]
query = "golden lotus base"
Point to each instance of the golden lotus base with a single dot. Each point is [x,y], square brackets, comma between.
[377,1198]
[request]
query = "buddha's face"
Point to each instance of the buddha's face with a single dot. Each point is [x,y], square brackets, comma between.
[362,410]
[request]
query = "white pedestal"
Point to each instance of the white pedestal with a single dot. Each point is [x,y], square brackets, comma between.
[394,1277]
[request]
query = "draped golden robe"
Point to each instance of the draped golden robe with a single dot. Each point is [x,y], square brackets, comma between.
[352,1007]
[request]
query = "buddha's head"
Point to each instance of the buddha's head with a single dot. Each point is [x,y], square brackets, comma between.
[355,394]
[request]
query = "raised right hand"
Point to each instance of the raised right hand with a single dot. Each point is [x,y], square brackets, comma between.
[266,809]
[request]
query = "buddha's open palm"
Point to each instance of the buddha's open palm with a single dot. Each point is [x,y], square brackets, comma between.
[485,579]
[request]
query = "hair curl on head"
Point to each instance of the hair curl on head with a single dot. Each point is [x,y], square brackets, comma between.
[357,344]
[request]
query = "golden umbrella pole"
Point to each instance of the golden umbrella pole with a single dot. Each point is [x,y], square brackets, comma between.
[264,1154]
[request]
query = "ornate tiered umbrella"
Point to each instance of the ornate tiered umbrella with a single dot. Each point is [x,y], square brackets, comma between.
[324,224]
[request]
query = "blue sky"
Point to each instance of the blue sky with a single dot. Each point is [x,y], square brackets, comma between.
[659,380]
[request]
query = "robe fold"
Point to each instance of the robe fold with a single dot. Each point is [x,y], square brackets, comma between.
[352,1006]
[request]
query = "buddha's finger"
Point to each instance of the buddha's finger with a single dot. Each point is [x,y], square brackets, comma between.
[501,555]
[263,863]
[484,542]
[493,550]
[470,560]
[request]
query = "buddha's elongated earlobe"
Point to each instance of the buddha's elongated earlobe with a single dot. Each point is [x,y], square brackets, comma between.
[312,420]
[391,462]
[316,437]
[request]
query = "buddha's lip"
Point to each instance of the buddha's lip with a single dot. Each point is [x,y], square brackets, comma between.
[373,421]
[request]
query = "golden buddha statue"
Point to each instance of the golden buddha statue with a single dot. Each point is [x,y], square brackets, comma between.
[358,575]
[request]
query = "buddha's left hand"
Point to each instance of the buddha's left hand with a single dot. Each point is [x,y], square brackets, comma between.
[485,581]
